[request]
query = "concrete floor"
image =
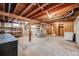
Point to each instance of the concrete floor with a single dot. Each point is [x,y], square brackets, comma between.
[46,46]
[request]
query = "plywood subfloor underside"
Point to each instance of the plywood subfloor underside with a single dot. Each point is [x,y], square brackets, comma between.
[47,46]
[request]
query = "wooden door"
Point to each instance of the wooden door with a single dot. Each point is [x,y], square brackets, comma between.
[61,30]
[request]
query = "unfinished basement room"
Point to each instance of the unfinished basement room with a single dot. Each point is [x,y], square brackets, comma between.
[39,29]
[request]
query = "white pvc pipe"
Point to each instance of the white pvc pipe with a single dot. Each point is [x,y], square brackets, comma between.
[70,14]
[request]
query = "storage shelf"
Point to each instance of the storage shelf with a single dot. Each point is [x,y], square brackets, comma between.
[14,31]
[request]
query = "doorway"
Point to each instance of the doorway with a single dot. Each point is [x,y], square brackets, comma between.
[61,30]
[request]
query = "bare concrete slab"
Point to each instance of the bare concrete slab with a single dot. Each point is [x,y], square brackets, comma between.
[47,46]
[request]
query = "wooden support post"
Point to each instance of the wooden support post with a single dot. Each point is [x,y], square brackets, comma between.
[30,34]
[22,26]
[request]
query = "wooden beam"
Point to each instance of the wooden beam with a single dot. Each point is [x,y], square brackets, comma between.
[19,8]
[3,6]
[19,17]
[15,16]
[12,16]
[61,11]
[46,10]
[16,7]
[30,33]
[36,10]
[69,19]
[27,9]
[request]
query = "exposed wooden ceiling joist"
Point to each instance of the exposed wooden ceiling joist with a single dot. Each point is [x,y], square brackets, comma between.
[61,11]
[69,19]
[46,10]
[13,16]
[26,9]
[36,13]
[20,18]
[36,10]
[16,7]
[3,6]
[19,8]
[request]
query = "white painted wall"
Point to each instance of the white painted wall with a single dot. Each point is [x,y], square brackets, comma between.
[76,30]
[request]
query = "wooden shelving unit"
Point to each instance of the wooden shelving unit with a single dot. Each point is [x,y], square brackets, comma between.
[15,31]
